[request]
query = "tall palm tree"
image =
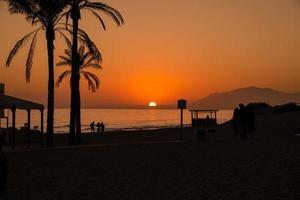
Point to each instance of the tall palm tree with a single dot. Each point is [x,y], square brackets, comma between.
[46,15]
[75,14]
[85,60]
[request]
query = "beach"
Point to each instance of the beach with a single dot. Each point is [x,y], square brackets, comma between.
[155,164]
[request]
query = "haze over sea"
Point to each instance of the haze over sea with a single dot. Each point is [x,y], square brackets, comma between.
[115,119]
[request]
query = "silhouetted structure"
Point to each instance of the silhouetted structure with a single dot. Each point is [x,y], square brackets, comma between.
[13,103]
[47,15]
[204,121]
[197,120]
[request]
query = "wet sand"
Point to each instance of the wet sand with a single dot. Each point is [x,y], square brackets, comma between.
[155,165]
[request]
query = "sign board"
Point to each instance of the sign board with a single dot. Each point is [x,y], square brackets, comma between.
[181,104]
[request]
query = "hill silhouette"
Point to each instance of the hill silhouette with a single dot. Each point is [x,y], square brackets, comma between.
[229,100]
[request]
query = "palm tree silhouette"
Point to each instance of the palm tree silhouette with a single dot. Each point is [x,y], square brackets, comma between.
[46,15]
[86,60]
[75,14]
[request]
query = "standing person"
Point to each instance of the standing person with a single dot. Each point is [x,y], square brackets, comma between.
[243,121]
[92,125]
[251,122]
[98,128]
[3,168]
[102,128]
[236,122]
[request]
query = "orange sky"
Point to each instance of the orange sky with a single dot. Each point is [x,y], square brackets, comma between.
[168,50]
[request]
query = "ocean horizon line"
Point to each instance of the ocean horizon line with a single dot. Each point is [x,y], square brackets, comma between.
[122,107]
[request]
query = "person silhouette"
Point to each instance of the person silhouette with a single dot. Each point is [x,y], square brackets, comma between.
[236,122]
[98,128]
[102,128]
[92,125]
[243,121]
[3,168]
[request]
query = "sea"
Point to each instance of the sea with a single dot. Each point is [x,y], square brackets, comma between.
[114,119]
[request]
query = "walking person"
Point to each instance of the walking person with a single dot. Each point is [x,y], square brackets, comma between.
[92,125]
[102,128]
[98,128]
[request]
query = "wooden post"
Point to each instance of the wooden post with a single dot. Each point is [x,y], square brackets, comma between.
[181,104]
[7,120]
[13,144]
[42,128]
[181,124]
[28,129]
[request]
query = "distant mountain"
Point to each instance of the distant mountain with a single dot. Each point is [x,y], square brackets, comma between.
[229,100]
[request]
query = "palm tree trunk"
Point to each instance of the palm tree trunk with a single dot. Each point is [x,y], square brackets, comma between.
[75,18]
[50,112]
[78,106]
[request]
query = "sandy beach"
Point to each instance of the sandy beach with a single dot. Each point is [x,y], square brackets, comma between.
[156,165]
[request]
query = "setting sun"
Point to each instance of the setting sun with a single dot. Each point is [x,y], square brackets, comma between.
[152,104]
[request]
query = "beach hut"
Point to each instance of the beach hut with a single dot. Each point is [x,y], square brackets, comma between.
[204,121]
[13,103]
[204,117]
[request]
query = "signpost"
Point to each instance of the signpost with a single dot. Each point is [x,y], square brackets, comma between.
[181,105]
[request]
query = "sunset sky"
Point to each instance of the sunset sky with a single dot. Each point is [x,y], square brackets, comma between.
[170,49]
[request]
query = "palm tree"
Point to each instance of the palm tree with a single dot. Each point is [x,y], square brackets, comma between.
[46,15]
[85,60]
[75,14]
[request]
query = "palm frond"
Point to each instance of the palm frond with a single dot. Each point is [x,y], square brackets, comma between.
[92,65]
[84,56]
[17,46]
[98,17]
[63,63]
[81,51]
[113,13]
[62,77]
[64,58]
[30,57]
[20,7]
[92,79]
[84,38]
[67,40]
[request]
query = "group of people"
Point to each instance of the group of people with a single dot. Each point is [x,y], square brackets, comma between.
[243,122]
[100,127]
